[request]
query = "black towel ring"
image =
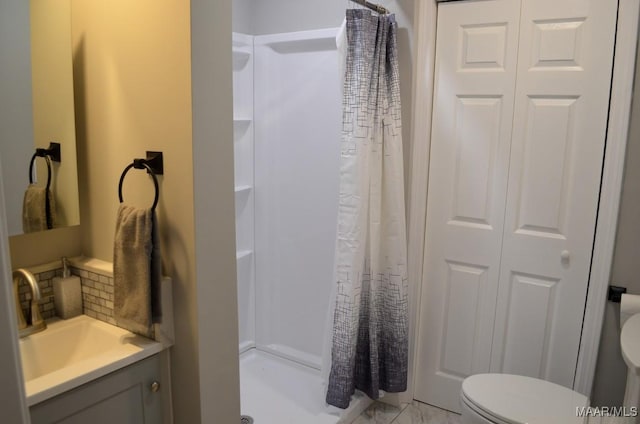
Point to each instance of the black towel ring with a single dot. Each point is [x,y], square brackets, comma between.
[140,164]
[33,159]
[47,203]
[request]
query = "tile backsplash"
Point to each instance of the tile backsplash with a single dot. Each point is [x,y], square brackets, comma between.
[96,285]
[97,294]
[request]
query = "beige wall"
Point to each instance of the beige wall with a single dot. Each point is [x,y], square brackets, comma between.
[45,246]
[133,93]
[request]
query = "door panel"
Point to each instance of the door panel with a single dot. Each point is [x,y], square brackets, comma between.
[473,112]
[531,311]
[477,126]
[460,356]
[548,137]
[562,98]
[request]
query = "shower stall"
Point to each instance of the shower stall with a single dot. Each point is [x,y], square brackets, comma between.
[287,126]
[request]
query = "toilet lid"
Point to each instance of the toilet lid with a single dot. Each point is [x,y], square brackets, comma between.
[517,399]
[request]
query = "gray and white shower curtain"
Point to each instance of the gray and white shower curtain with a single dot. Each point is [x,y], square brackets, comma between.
[369,348]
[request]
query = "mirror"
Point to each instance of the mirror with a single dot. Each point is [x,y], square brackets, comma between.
[53,121]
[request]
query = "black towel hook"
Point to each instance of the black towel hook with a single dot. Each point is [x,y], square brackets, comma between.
[52,152]
[154,165]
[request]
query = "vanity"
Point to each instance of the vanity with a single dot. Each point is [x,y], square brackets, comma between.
[84,370]
[87,370]
[132,395]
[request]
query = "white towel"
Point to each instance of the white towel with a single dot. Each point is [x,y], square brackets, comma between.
[136,270]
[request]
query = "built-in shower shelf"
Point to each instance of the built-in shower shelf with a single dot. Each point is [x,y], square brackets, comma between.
[243,189]
[246,346]
[240,125]
[243,254]
[240,59]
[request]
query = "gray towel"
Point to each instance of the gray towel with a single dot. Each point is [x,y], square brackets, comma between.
[35,216]
[136,270]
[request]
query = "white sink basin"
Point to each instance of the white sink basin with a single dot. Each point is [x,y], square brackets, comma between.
[75,351]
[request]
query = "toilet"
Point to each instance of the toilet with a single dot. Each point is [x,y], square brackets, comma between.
[516,399]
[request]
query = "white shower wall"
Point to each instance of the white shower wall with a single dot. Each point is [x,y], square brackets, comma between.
[296,123]
[298,110]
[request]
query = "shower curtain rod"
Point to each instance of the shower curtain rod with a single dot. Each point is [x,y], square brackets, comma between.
[377,8]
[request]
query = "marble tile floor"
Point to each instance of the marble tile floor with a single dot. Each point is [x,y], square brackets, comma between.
[413,413]
[421,413]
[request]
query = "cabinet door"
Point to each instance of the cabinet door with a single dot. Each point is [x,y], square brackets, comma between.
[473,112]
[562,101]
[123,397]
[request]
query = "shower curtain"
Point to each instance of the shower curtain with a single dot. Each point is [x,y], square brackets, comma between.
[369,347]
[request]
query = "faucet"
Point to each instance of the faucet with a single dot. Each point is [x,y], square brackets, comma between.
[36,323]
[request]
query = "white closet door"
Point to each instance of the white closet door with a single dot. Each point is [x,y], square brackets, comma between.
[473,112]
[562,100]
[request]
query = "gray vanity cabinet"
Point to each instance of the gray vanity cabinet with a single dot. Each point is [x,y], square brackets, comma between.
[137,394]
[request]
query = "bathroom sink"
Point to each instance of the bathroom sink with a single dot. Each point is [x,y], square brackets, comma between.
[75,351]
[630,343]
